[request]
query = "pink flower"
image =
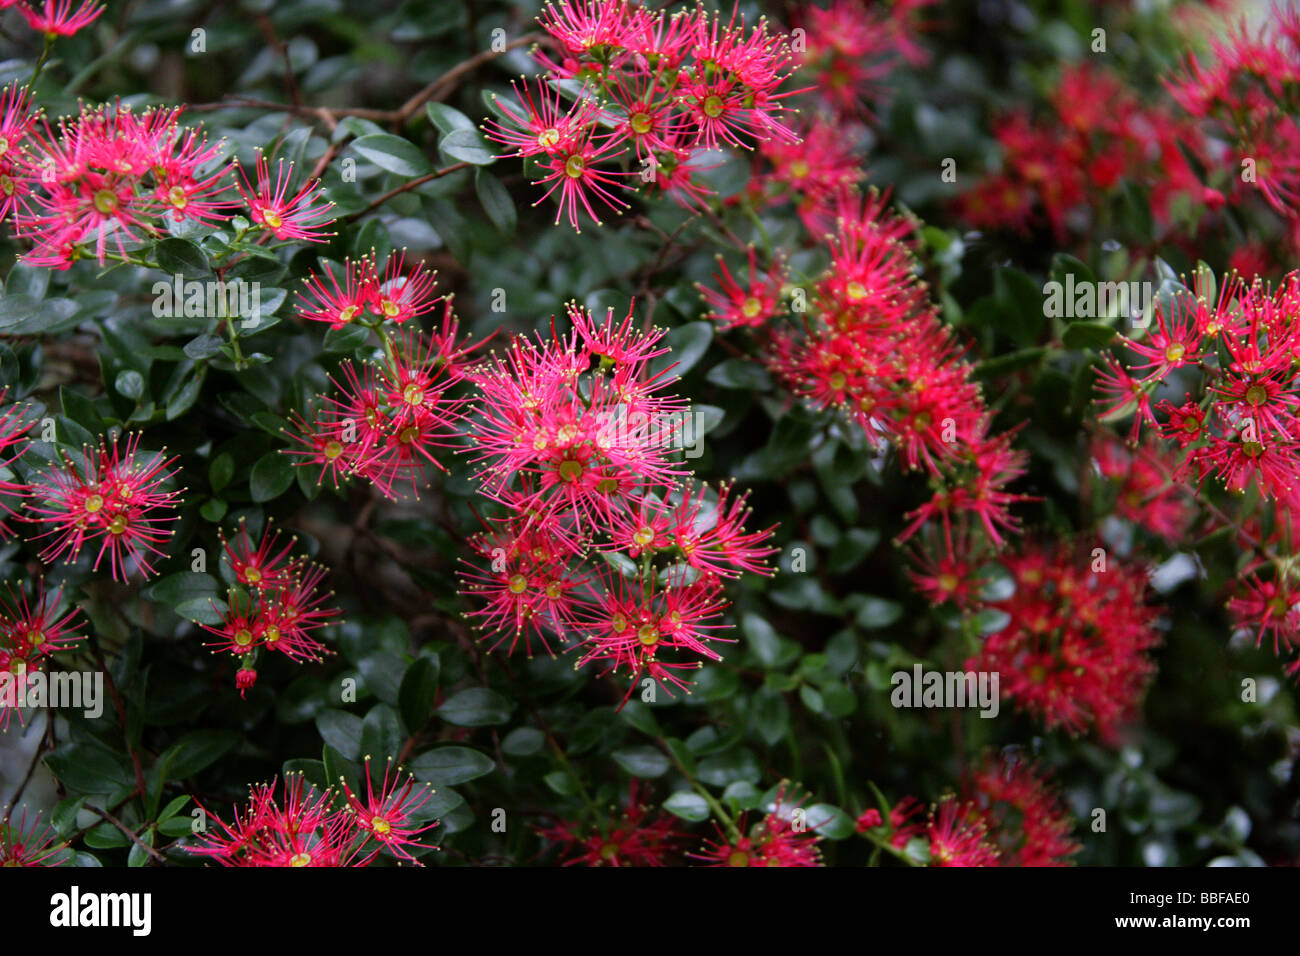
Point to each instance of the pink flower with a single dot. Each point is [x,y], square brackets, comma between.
[112,498]
[388,817]
[58,18]
[299,216]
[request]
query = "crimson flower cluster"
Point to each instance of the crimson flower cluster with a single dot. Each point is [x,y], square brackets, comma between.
[1008,815]
[846,50]
[1246,95]
[872,345]
[1073,650]
[649,87]
[783,837]
[274,606]
[110,179]
[56,18]
[21,845]
[369,294]
[1101,134]
[638,836]
[1243,430]
[314,827]
[113,501]
[386,423]
[577,440]
[31,629]
[1143,492]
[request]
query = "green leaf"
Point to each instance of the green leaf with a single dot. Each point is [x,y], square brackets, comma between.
[198,750]
[496,201]
[877,612]
[740,374]
[763,639]
[80,409]
[221,470]
[1020,305]
[644,761]
[90,767]
[181,257]
[182,586]
[688,342]
[394,154]
[447,119]
[203,347]
[383,672]
[346,339]
[523,741]
[448,766]
[830,821]
[271,477]
[467,146]
[129,383]
[418,689]
[1087,335]
[381,736]
[688,805]
[342,731]
[475,707]
[735,765]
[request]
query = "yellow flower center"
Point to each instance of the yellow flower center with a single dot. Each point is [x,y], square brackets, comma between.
[856,291]
[713,106]
[272,634]
[644,535]
[301,859]
[382,827]
[548,138]
[272,219]
[117,525]
[252,575]
[333,449]
[517,584]
[243,637]
[799,169]
[94,503]
[1175,352]
[640,123]
[570,470]
[647,634]
[345,315]
[738,858]
[176,196]
[105,201]
[751,308]
[413,394]
[575,167]
[1257,395]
